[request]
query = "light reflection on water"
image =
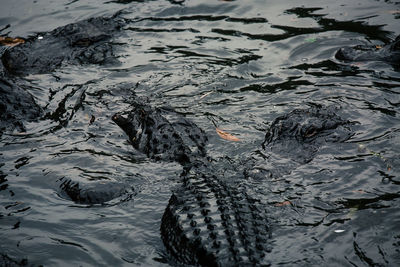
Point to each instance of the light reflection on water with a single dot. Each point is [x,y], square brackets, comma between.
[238,64]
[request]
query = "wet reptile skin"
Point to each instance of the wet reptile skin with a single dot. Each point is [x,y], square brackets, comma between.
[208,222]
[86,41]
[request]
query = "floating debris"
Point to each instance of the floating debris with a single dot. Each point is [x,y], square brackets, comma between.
[226,136]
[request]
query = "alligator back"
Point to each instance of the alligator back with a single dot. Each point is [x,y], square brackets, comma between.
[85,41]
[209,223]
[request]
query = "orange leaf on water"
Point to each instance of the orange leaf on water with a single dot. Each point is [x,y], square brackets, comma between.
[8,41]
[226,136]
[358,191]
[284,203]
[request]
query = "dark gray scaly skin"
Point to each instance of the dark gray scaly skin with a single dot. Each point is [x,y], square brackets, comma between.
[389,53]
[151,133]
[16,106]
[209,223]
[87,41]
[304,131]
[297,137]
[206,221]
[7,261]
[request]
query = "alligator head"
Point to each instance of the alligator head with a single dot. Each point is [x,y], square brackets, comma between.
[294,139]
[151,133]
[389,53]
[299,134]
[84,41]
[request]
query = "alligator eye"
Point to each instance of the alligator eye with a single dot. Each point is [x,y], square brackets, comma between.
[82,42]
[310,132]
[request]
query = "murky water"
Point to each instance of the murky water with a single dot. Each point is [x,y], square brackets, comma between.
[239,64]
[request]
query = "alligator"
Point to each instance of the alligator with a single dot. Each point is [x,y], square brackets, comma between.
[86,41]
[389,53]
[207,222]
[295,138]
[16,106]
[152,133]
[98,192]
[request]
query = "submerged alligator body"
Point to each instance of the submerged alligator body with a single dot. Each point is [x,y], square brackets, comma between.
[295,138]
[16,106]
[299,134]
[389,53]
[92,193]
[206,221]
[87,41]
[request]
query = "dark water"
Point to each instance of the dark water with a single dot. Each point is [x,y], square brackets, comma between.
[240,64]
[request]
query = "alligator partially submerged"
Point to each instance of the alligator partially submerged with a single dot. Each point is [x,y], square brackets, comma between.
[206,221]
[86,41]
[151,133]
[16,106]
[98,192]
[295,138]
[389,53]
[298,134]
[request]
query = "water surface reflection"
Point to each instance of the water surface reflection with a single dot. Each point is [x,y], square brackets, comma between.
[238,64]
